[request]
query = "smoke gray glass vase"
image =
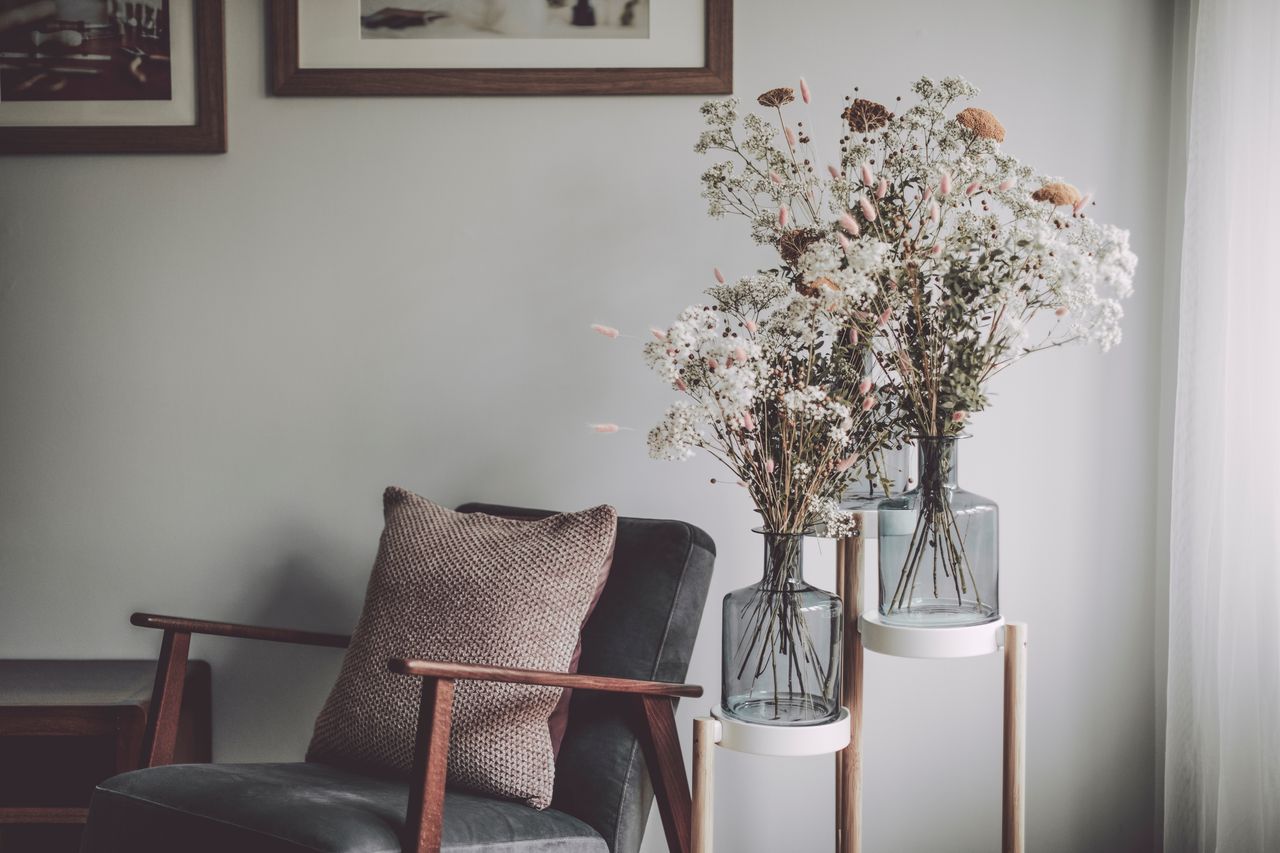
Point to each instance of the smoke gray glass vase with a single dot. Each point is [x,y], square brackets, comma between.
[782,643]
[939,547]
[881,475]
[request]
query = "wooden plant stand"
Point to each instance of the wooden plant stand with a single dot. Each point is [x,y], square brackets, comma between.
[864,630]
[754,738]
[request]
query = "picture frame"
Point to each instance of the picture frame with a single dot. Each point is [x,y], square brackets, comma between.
[206,134]
[291,77]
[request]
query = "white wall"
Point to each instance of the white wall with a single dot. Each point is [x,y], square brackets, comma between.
[211,366]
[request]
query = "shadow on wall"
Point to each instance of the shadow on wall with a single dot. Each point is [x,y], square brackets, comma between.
[267,695]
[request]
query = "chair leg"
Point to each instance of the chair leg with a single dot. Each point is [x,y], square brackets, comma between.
[425,820]
[161,736]
[661,743]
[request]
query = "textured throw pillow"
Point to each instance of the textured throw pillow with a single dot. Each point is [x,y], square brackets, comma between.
[466,588]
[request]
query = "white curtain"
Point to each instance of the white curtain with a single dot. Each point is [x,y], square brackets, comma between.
[1222,749]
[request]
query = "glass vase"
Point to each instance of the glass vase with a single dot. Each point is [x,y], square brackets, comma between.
[881,475]
[782,643]
[939,560]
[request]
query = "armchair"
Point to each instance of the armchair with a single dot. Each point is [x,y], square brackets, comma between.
[635,650]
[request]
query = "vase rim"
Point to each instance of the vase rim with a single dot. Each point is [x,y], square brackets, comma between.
[957,437]
[764,531]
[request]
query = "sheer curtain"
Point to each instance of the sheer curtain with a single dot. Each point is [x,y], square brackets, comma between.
[1222,747]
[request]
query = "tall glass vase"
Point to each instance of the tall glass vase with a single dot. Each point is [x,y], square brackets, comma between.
[883,474]
[782,643]
[939,547]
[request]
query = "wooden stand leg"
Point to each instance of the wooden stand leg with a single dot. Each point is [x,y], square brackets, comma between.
[1015,738]
[704,745]
[840,756]
[850,558]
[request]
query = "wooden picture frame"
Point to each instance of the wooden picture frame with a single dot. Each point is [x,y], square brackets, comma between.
[714,77]
[208,135]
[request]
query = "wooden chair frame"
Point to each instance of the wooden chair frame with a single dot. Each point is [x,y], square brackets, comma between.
[652,703]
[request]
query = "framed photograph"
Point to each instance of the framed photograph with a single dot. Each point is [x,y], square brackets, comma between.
[501,47]
[112,76]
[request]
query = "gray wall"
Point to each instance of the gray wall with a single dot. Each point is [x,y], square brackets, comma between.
[211,366]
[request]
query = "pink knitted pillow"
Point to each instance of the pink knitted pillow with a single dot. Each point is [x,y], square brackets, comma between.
[466,588]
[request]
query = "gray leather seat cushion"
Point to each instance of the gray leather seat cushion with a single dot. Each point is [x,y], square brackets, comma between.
[289,808]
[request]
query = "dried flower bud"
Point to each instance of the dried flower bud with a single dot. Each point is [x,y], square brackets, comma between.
[804,90]
[605,427]
[1061,312]
[865,385]
[958,416]
[791,137]
[882,189]
[1007,184]
[783,216]
[776,178]
[868,403]
[778,97]
[769,466]
[607,331]
[944,185]
[659,334]
[868,209]
[850,224]
[982,123]
[972,188]
[750,326]
[868,176]
[834,172]
[747,421]
[849,461]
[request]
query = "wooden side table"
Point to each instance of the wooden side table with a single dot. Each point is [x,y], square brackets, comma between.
[65,725]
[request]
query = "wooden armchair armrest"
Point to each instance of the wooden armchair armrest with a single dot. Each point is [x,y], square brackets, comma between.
[161,735]
[576,681]
[246,632]
[651,702]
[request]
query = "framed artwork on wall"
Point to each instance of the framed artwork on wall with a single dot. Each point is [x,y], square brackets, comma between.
[112,77]
[501,47]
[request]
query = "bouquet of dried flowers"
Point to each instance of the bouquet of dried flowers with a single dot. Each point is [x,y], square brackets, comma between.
[965,259]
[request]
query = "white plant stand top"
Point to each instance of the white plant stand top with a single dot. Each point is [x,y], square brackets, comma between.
[759,739]
[903,641]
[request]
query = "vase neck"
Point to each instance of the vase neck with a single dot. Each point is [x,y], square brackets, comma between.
[783,559]
[938,461]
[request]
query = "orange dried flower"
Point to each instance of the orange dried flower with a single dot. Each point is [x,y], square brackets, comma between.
[864,116]
[1058,194]
[777,97]
[982,123]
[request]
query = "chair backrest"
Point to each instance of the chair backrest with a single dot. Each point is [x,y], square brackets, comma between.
[643,627]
